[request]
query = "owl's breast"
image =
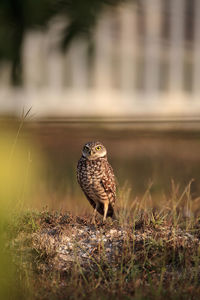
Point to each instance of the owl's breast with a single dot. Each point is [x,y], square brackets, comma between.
[89,172]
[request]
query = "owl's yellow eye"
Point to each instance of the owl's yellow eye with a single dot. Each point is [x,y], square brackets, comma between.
[98,148]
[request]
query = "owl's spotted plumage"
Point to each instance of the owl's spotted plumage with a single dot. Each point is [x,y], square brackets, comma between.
[96,178]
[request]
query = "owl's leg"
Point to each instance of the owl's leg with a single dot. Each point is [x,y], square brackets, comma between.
[105,210]
[94,213]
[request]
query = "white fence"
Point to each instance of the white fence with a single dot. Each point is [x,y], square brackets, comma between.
[146,61]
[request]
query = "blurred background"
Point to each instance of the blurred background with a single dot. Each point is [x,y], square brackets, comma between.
[123,72]
[101,58]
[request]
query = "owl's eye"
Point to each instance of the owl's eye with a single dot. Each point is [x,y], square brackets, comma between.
[98,148]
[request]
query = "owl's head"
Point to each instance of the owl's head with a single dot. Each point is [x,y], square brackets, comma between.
[94,150]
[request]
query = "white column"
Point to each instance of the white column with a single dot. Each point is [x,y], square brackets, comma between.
[128,46]
[54,57]
[152,43]
[55,70]
[34,60]
[78,61]
[196,61]
[176,50]
[103,43]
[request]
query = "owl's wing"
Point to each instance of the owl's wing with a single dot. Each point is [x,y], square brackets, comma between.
[108,181]
[77,172]
[109,185]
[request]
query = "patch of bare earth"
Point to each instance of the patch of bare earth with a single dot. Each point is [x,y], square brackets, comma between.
[117,257]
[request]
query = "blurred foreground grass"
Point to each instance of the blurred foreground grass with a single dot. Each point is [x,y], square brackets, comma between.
[20,165]
[38,167]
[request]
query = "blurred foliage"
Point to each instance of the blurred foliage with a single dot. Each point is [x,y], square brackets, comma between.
[20,168]
[19,16]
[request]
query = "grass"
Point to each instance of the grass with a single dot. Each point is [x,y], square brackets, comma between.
[158,256]
[151,252]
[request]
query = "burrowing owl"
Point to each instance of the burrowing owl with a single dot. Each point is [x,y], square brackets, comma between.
[96,178]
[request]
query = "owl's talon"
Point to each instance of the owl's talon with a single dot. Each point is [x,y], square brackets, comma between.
[103,222]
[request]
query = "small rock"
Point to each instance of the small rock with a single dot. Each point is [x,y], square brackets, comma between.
[113,231]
